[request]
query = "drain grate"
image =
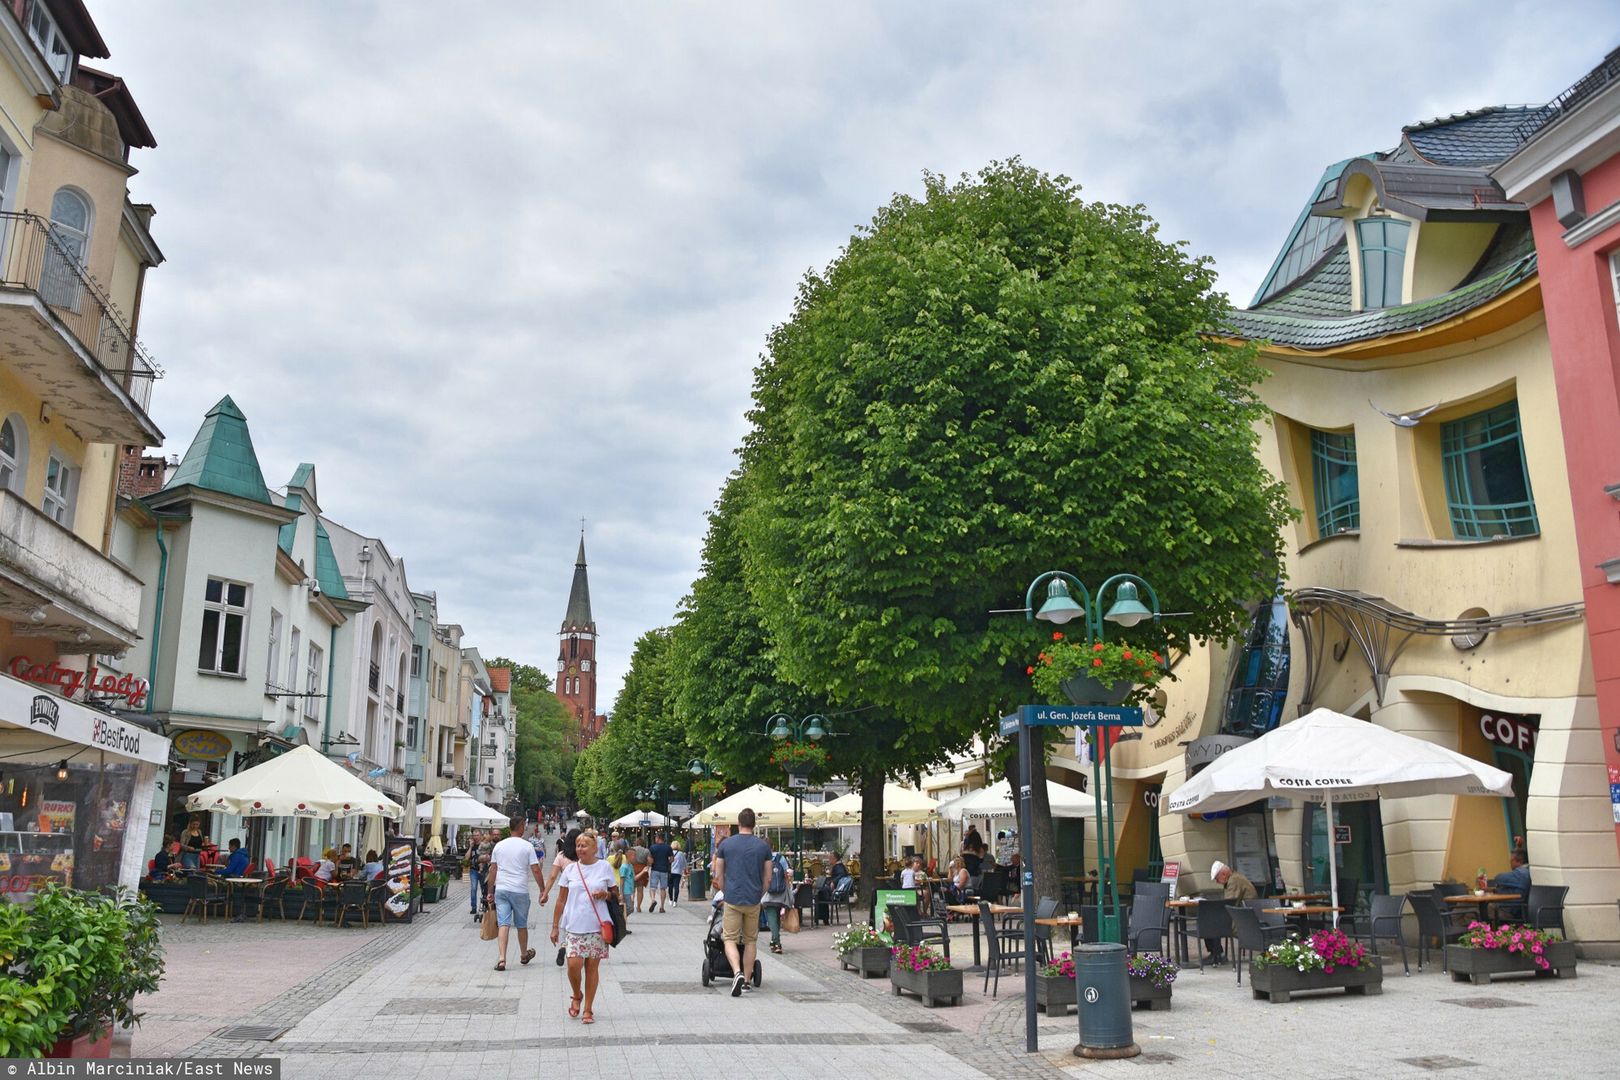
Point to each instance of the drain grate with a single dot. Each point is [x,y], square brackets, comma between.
[1439,1061]
[1156,1057]
[1485,1003]
[253,1032]
[478,1006]
[927,1027]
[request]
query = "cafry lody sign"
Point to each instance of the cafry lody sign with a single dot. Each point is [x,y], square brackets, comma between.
[56,720]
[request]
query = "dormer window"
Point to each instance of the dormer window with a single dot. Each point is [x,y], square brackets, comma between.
[47,36]
[1383,260]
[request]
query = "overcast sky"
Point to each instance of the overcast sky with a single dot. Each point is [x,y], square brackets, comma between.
[495,267]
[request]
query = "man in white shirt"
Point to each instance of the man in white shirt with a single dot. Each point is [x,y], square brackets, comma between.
[511,863]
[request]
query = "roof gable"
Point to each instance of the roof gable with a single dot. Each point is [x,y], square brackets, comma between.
[221,457]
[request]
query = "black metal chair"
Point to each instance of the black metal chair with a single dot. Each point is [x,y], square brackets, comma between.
[910,928]
[1251,936]
[1003,949]
[1434,924]
[1443,889]
[272,894]
[1545,906]
[353,896]
[1386,917]
[843,896]
[202,894]
[321,897]
[1149,922]
[1214,923]
[804,901]
[1045,908]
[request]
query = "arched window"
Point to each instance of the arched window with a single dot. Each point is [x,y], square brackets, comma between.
[70,246]
[13,453]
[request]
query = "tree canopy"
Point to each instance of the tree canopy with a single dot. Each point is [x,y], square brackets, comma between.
[545,756]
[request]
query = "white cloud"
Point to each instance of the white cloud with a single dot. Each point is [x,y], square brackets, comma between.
[494,267]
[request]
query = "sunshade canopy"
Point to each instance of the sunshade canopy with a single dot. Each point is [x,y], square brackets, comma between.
[901,806]
[997,801]
[460,808]
[635,819]
[1330,753]
[301,783]
[772,808]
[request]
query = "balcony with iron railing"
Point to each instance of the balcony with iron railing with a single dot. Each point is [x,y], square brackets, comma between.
[375,676]
[67,342]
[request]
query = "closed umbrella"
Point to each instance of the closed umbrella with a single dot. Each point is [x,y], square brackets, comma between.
[435,844]
[1328,757]
[373,840]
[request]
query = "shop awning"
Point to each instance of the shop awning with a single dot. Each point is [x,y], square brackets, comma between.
[39,725]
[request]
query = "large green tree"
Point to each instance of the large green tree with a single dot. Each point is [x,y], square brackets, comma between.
[643,747]
[545,756]
[992,380]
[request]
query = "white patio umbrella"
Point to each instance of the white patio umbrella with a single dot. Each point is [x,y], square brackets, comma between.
[301,783]
[635,819]
[459,808]
[901,806]
[997,800]
[373,839]
[1328,757]
[772,809]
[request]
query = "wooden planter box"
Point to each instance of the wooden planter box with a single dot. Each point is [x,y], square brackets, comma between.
[871,961]
[1478,965]
[1281,983]
[1143,992]
[1054,994]
[932,986]
[82,1046]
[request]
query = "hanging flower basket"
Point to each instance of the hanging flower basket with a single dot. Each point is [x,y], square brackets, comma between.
[798,758]
[708,787]
[1095,672]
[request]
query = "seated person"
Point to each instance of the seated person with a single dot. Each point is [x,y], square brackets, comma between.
[912,875]
[346,862]
[236,863]
[959,887]
[837,872]
[327,870]
[373,868]
[163,859]
[1515,880]
[1235,889]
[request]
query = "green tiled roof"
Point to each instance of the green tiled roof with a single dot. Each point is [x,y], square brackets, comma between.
[221,457]
[1316,314]
[326,565]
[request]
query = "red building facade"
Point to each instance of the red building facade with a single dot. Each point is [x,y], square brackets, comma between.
[1568,171]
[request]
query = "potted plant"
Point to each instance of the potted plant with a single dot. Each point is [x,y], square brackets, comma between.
[1151,976]
[1054,985]
[1486,950]
[1327,960]
[707,786]
[799,757]
[864,950]
[1095,672]
[434,885]
[925,972]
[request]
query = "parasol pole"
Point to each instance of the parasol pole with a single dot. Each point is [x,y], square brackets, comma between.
[1333,859]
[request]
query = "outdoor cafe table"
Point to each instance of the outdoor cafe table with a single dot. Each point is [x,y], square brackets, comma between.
[972,910]
[1306,897]
[1073,922]
[1485,900]
[1178,915]
[234,887]
[1302,911]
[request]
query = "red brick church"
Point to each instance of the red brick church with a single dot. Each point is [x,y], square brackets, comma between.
[576,658]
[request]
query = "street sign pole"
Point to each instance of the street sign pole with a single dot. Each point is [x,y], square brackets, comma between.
[1026,883]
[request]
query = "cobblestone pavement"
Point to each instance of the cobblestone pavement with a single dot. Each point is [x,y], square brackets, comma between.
[418,1000]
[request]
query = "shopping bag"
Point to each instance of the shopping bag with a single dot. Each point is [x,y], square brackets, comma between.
[790,920]
[489,929]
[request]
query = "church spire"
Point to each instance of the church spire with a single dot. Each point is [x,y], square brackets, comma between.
[579,597]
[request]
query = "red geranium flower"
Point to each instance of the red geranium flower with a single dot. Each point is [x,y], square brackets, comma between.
[1096,663]
[1057,635]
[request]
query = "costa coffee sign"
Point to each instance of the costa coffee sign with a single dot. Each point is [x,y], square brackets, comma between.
[1515,732]
[69,681]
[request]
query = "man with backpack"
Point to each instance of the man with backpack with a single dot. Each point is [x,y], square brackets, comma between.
[778,895]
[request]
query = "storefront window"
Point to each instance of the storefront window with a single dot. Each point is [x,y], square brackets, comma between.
[1512,739]
[1259,686]
[1360,850]
[63,823]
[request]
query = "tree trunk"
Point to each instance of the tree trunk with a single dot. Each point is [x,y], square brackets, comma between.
[1043,836]
[871,835]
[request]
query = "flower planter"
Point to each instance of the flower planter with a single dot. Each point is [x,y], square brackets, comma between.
[1280,983]
[82,1046]
[1054,993]
[1084,690]
[1468,964]
[870,961]
[932,986]
[432,894]
[1143,992]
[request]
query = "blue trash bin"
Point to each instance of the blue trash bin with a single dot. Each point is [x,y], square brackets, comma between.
[1103,994]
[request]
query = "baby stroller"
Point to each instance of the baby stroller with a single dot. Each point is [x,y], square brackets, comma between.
[715,964]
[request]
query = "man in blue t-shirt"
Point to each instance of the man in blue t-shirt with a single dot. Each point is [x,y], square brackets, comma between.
[658,878]
[742,870]
[236,863]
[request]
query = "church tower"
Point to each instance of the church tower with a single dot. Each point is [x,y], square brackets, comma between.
[576,655]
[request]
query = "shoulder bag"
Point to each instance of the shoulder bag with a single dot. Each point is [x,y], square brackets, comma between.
[607,923]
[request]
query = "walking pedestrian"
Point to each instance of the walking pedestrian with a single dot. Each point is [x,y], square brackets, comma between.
[566,853]
[658,876]
[742,869]
[624,873]
[641,863]
[778,895]
[581,910]
[677,870]
[475,871]
[511,863]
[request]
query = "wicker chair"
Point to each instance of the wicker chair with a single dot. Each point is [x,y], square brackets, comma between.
[202,894]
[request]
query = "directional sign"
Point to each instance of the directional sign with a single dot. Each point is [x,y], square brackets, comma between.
[1009,724]
[1080,716]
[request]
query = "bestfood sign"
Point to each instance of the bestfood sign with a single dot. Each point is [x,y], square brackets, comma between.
[53,720]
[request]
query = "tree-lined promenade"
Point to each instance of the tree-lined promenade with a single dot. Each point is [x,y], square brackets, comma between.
[989,381]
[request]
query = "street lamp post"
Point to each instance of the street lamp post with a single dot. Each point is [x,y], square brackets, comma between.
[1060,607]
[780,727]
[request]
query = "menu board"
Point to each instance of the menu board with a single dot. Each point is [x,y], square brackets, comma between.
[400,876]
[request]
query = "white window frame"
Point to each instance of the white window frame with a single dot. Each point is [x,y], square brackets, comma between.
[60,284]
[49,35]
[14,467]
[312,686]
[416,661]
[293,641]
[272,669]
[584,665]
[58,501]
[225,611]
[1614,280]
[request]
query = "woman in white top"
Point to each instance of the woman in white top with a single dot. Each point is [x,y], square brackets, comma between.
[581,909]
